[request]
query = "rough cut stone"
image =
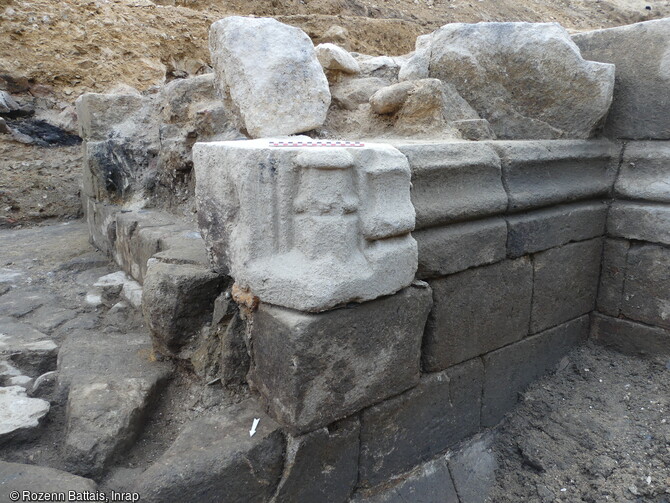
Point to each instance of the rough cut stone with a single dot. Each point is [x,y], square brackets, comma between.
[333,57]
[547,228]
[18,413]
[321,465]
[639,221]
[646,294]
[645,171]
[541,173]
[402,432]
[383,67]
[641,54]
[101,220]
[477,311]
[307,228]
[630,337]
[455,181]
[215,459]
[351,93]
[39,479]
[450,249]
[271,73]
[612,275]
[509,370]
[418,66]
[313,369]
[489,62]
[428,483]
[27,349]
[565,283]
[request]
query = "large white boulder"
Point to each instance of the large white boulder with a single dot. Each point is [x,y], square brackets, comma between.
[271,73]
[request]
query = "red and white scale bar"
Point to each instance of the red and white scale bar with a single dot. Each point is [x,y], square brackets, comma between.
[316,144]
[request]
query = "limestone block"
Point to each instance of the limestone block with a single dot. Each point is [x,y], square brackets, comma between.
[541,173]
[313,369]
[641,53]
[417,67]
[101,220]
[307,228]
[400,433]
[383,67]
[271,73]
[333,57]
[351,93]
[489,62]
[547,228]
[450,249]
[565,283]
[99,115]
[477,311]
[630,337]
[639,221]
[509,370]
[453,182]
[321,465]
[645,171]
[29,350]
[612,275]
[646,293]
[19,414]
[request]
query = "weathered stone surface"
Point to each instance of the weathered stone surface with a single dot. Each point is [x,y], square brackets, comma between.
[47,318]
[333,57]
[477,311]
[27,349]
[565,283]
[261,57]
[639,221]
[101,219]
[400,433]
[383,67]
[645,171]
[183,247]
[313,369]
[337,230]
[547,228]
[351,93]
[215,459]
[640,52]
[39,479]
[417,67]
[509,370]
[450,249]
[473,469]
[321,465]
[103,419]
[474,129]
[612,275]
[389,99]
[177,300]
[19,302]
[646,292]
[541,173]
[18,413]
[428,483]
[489,62]
[630,337]
[103,116]
[455,181]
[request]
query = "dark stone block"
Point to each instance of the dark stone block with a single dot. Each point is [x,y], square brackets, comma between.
[630,337]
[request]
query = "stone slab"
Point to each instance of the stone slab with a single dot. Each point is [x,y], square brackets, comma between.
[477,311]
[454,181]
[630,337]
[645,171]
[454,248]
[27,349]
[612,275]
[509,370]
[402,432]
[19,414]
[473,468]
[313,369]
[646,291]
[543,229]
[542,173]
[565,283]
[640,221]
[39,479]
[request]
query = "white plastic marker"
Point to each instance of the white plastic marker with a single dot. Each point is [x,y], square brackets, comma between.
[252,431]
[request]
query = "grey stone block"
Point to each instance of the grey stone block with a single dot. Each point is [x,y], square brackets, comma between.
[447,250]
[473,468]
[20,477]
[477,311]
[408,429]
[612,274]
[99,114]
[547,228]
[640,108]
[321,465]
[509,370]
[215,459]
[427,483]
[101,220]
[646,294]
[313,369]
[565,283]
[645,172]
[642,222]
[454,182]
[541,173]
[630,337]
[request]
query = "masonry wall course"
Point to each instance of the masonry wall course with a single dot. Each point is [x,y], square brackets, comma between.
[645,172]
[640,221]
[612,275]
[630,337]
